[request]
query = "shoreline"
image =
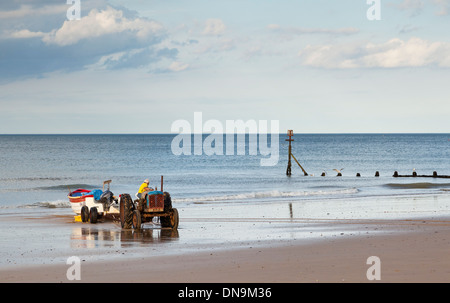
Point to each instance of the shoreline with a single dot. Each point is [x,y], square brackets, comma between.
[277,243]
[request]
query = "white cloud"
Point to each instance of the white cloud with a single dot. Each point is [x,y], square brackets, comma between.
[444,7]
[409,5]
[28,10]
[24,34]
[303,30]
[95,24]
[98,23]
[273,26]
[222,44]
[214,27]
[102,39]
[392,54]
[415,7]
[178,66]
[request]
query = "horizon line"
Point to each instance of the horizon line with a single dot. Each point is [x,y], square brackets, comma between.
[246,133]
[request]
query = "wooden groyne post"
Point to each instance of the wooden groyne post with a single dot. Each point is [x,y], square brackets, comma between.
[290,134]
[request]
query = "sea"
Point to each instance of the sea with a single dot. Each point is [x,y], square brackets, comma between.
[38,171]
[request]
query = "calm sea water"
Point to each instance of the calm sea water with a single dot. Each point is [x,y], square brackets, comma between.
[38,170]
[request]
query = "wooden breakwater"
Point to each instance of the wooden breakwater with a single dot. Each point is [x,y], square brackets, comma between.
[397,175]
[415,175]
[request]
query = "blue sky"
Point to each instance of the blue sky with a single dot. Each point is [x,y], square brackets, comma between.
[135,66]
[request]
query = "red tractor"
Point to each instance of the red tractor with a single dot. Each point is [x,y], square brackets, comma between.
[151,204]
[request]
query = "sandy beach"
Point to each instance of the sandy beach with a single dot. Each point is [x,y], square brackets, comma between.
[225,244]
[418,256]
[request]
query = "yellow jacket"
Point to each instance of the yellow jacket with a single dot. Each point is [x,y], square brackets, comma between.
[141,188]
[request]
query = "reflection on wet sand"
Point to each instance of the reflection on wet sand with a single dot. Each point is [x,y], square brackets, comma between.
[91,236]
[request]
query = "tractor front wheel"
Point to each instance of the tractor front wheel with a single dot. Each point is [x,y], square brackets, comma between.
[137,220]
[171,220]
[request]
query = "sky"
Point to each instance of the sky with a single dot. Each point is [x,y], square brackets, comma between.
[137,66]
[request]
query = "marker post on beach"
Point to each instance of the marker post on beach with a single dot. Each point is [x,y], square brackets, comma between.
[290,133]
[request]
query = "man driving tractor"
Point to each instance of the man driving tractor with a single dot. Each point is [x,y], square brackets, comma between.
[143,188]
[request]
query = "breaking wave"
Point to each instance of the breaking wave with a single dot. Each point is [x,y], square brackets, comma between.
[21,179]
[267,195]
[48,204]
[66,187]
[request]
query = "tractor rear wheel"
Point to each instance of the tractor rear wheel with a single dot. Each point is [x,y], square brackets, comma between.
[126,211]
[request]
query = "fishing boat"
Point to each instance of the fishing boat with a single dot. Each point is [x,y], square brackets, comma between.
[81,197]
[94,204]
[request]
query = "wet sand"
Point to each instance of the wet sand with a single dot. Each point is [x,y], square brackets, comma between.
[228,244]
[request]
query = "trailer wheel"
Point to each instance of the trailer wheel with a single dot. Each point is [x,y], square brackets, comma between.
[137,220]
[93,215]
[84,213]
[126,211]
